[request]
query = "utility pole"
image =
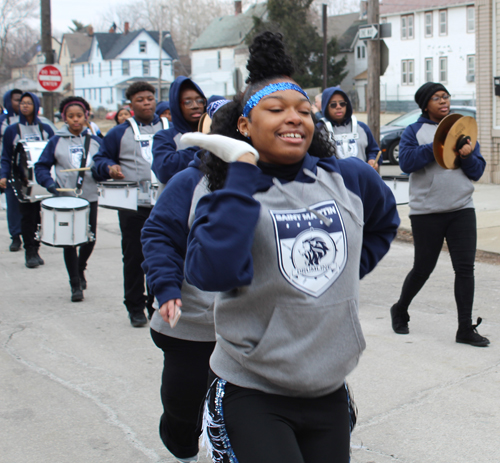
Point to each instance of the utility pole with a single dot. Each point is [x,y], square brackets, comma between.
[160,43]
[325,45]
[373,87]
[46,32]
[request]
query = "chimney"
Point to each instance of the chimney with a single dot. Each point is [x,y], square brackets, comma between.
[126,28]
[237,7]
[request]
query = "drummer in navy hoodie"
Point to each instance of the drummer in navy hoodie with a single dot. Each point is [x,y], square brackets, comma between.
[29,128]
[122,157]
[352,138]
[187,104]
[10,115]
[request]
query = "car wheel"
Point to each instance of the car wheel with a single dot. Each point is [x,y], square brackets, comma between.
[393,153]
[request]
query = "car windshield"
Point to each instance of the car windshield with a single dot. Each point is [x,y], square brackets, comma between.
[406,119]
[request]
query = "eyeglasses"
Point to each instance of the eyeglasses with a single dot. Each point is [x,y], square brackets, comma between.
[342,104]
[437,98]
[191,103]
[25,103]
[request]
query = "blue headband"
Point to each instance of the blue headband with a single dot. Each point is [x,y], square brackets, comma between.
[213,107]
[267,90]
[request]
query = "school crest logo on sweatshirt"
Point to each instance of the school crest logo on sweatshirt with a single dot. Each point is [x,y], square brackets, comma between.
[312,252]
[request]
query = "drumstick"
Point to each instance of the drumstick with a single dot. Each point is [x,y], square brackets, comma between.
[80,169]
[376,159]
[65,189]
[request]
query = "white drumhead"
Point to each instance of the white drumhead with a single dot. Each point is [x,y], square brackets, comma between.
[64,202]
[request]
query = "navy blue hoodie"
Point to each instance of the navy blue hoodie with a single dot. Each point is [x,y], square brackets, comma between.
[8,116]
[367,146]
[168,159]
[28,132]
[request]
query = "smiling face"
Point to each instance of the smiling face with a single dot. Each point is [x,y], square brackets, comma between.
[75,118]
[335,109]
[280,126]
[438,106]
[143,104]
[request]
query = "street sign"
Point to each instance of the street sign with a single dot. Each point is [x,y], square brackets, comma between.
[368,32]
[49,78]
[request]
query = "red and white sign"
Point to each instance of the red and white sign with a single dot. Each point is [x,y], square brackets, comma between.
[49,78]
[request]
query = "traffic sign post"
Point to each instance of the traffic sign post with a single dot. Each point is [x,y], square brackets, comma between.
[49,78]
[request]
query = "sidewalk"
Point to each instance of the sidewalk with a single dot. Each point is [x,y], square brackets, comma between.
[487,203]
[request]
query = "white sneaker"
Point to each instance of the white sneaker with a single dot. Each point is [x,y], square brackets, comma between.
[187,460]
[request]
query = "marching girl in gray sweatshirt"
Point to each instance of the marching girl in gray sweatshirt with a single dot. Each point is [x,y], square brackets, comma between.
[65,150]
[283,238]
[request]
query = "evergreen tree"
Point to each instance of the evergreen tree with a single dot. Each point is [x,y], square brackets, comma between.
[303,43]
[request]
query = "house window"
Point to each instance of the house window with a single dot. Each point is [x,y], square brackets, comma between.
[99,69]
[83,70]
[125,67]
[88,68]
[407,72]
[407,27]
[111,95]
[92,67]
[145,67]
[110,69]
[471,19]
[361,52]
[443,69]
[443,22]
[428,69]
[100,95]
[471,68]
[428,24]
[219,60]
[143,47]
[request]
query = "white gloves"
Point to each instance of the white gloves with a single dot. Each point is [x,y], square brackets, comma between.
[225,148]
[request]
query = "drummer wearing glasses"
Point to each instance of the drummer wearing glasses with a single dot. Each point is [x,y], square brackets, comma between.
[351,137]
[187,104]
[441,208]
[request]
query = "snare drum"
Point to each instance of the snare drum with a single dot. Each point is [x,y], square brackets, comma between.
[118,194]
[400,187]
[23,180]
[64,222]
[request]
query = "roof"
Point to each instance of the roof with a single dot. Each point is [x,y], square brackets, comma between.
[362,75]
[401,6]
[229,31]
[77,44]
[337,25]
[346,40]
[112,44]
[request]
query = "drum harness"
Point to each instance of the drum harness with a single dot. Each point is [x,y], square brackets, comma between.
[81,173]
[145,141]
[343,138]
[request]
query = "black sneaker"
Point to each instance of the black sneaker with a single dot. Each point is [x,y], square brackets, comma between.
[76,290]
[16,244]
[467,334]
[39,259]
[138,319]
[83,281]
[31,260]
[400,320]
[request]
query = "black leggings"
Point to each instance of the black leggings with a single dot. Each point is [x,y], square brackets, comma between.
[269,428]
[183,390]
[77,262]
[429,232]
[30,219]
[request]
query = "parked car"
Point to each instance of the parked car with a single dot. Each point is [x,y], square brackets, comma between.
[390,134]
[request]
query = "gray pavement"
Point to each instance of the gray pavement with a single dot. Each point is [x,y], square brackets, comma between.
[79,384]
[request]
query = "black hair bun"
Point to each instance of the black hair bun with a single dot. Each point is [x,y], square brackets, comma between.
[268,58]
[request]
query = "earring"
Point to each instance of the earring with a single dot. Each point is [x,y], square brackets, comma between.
[246,134]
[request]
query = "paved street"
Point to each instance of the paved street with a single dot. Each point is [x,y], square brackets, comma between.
[79,385]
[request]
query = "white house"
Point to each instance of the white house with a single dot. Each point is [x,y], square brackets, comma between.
[432,40]
[114,61]
[219,55]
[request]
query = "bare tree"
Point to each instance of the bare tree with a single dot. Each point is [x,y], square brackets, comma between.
[185,19]
[14,15]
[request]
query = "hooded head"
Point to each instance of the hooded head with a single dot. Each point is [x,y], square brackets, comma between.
[325,100]
[36,108]
[180,123]
[161,107]
[7,101]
